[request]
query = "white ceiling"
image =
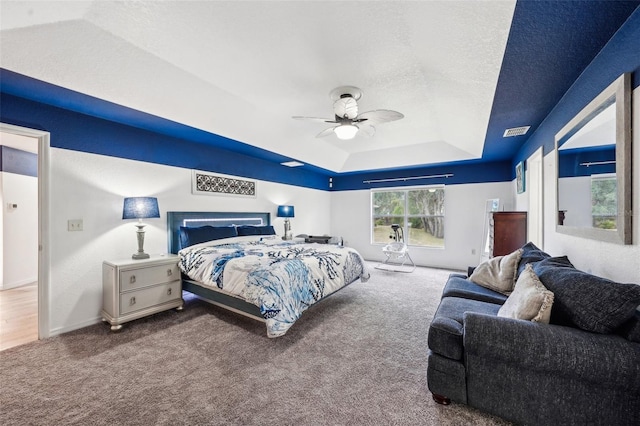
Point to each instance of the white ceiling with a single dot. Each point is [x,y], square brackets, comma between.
[243,69]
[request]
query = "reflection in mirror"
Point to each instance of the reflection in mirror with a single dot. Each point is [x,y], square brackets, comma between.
[594,169]
[587,194]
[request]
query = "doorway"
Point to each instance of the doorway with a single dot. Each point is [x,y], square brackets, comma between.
[40,289]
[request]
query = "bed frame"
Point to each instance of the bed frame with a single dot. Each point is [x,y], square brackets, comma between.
[195,219]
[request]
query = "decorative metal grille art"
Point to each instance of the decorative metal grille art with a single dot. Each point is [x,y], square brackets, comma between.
[214,184]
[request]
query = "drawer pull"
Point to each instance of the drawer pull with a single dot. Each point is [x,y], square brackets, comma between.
[132,279]
[169,292]
[169,272]
[132,301]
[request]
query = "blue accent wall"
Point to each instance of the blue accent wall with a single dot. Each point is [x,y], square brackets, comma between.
[18,162]
[80,132]
[463,172]
[84,123]
[620,55]
[543,57]
[86,133]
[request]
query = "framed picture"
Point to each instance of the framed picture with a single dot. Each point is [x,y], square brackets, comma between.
[217,184]
[520,184]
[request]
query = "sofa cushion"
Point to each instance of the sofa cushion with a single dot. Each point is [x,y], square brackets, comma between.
[630,330]
[498,273]
[530,299]
[446,330]
[459,286]
[530,254]
[587,301]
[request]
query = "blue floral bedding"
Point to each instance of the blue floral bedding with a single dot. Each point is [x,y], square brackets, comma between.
[281,278]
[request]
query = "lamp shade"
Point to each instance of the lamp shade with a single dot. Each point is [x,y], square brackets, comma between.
[140,208]
[285,211]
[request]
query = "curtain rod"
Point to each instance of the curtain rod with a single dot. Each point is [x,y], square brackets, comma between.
[597,163]
[447,175]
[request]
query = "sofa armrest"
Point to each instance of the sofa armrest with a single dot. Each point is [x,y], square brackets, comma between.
[554,349]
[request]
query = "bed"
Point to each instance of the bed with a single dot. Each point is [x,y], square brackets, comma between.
[237,262]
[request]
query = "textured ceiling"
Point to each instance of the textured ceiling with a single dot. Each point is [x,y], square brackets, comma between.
[243,69]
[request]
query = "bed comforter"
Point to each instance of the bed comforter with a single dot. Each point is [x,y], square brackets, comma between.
[282,278]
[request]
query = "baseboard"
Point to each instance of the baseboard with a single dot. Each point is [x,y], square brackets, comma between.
[8,286]
[66,329]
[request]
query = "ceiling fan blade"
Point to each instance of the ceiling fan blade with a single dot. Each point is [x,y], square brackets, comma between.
[318,119]
[325,132]
[366,130]
[381,116]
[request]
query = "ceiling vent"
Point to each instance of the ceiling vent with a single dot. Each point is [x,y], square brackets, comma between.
[516,131]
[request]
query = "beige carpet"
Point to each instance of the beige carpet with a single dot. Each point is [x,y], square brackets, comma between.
[357,358]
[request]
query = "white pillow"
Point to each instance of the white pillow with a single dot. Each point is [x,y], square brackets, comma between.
[530,299]
[498,273]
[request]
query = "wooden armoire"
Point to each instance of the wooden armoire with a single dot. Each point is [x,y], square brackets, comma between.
[509,232]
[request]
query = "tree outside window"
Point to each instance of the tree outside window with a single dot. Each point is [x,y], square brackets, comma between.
[419,211]
[604,202]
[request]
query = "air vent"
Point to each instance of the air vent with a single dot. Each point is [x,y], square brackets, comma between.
[516,131]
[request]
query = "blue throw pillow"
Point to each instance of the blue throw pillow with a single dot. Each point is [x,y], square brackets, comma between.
[256,230]
[530,254]
[191,236]
[586,301]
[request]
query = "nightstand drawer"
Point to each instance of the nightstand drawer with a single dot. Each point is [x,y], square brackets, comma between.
[143,277]
[146,297]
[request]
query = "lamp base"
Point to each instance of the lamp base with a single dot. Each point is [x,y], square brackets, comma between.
[140,234]
[288,235]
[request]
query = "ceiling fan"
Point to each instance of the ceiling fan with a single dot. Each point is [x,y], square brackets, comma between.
[349,122]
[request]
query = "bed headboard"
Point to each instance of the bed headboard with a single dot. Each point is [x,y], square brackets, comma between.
[194,219]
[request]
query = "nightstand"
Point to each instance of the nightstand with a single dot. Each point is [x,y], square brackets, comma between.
[133,289]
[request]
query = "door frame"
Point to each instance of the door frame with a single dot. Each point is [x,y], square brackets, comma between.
[44,255]
[536,189]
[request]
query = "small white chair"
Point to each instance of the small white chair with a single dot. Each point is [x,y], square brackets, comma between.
[397,254]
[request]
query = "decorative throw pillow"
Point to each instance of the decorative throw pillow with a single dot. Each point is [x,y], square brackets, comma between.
[587,301]
[530,254]
[255,230]
[530,299]
[191,236]
[499,273]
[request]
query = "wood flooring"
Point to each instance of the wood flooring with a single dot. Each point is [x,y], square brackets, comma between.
[18,316]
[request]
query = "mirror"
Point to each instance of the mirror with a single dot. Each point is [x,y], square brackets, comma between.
[593,157]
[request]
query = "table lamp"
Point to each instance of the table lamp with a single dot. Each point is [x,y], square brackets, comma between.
[286,212]
[140,208]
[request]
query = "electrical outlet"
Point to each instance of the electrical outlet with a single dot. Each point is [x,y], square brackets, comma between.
[74,225]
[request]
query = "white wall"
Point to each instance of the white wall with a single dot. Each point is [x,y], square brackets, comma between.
[92,188]
[464,224]
[19,230]
[576,200]
[617,262]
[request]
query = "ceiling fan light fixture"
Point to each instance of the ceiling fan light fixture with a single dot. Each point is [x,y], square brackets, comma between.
[346,131]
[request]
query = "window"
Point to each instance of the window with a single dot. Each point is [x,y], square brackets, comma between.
[604,202]
[419,211]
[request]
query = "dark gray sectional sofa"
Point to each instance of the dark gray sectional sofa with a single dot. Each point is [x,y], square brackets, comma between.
[583,368]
